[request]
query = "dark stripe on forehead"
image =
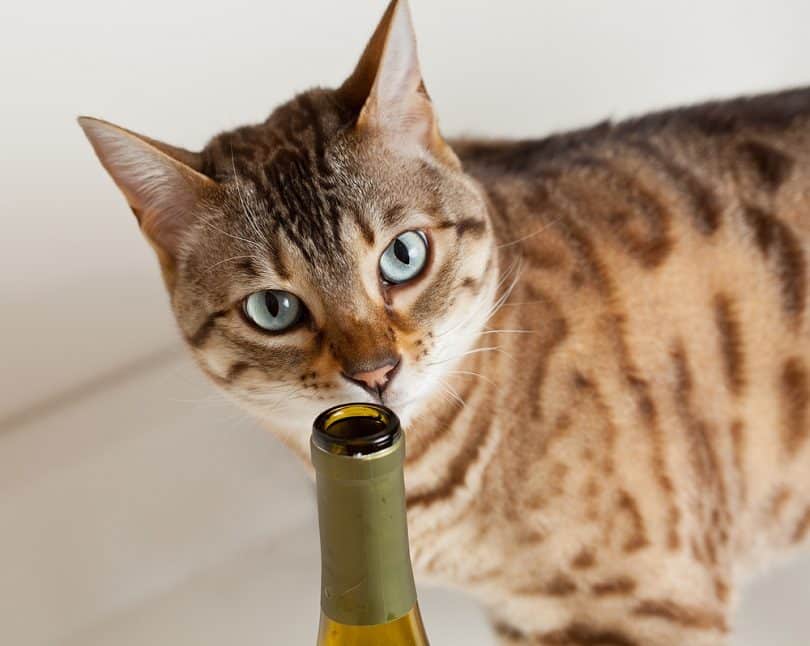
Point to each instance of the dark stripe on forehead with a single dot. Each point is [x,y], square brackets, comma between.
[318,137]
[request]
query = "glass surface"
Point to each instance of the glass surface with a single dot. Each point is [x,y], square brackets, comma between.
[405,631]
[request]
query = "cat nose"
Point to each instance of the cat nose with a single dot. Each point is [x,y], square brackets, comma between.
[377,379]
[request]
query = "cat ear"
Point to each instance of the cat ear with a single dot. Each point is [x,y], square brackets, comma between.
[387,88]
[161,183]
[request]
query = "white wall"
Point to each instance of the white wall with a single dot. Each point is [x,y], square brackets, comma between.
[104,536]
[80,291]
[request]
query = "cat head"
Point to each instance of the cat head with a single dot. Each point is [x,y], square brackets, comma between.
[336,252]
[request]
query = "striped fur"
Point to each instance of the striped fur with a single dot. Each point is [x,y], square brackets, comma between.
[605,377]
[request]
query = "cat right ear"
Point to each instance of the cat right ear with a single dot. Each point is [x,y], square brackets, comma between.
[161,183]
[387,91]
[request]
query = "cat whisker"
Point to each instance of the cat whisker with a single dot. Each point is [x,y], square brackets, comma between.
[453,394]
[469,352]
[473,374]
[252,243]
[504,331]
[530,236]
[514,268]
[496,306]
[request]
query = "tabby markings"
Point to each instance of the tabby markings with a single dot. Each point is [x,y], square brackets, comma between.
[553,333]
[738,451]
[442,426]
[702,453]
[649,415]
[465,226]
[578,634]
[637,539]
[456,470]
[199,338]
[683,615]
[558,586]
[625,209]
[771,166]
[236,371]
[584,560]
[795,395]
[731,343]
[620,586]
[703,205]
[802,527]
[777,241]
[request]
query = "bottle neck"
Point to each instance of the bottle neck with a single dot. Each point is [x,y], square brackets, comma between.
[366,574]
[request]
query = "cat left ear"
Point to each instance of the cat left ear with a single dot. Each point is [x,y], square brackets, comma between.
[162,183]
[387,88]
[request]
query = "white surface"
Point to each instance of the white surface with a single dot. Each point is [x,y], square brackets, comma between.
[154,513]
[150,513]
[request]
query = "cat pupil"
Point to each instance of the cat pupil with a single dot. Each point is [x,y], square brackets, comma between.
[273,305]
[401,252]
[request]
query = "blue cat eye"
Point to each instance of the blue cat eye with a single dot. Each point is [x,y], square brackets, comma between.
[273,310]
[405,257]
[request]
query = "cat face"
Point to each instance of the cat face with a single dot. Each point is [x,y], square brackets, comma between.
[334,253]
[322,288]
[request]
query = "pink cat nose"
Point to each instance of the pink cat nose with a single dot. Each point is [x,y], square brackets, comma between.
[376,380]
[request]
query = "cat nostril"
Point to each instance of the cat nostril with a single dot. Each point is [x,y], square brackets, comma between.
[376,380]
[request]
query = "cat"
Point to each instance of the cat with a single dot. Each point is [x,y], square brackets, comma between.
[597,342]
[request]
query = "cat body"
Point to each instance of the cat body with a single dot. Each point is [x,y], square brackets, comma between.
[597,342]
[618,486]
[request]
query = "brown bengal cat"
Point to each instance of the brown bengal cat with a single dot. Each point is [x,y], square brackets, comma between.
[597,342]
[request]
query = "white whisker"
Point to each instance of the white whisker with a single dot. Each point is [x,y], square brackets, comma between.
[222,262]
[452,392]
[471,373]
[530,236]
[252,243]
[469,352]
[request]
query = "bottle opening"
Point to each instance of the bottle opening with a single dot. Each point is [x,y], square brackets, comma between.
[353,429]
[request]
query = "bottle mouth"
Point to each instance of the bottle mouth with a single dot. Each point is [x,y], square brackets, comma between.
[356,429]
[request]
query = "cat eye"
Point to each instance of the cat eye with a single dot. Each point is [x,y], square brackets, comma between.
[405,258]
[273,310]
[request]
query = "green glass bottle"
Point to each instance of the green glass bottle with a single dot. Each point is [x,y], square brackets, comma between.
[368,597]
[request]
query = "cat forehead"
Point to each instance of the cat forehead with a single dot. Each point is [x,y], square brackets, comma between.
[290,173]
[304,174]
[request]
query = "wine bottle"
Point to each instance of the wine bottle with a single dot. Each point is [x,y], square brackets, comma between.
[368,597]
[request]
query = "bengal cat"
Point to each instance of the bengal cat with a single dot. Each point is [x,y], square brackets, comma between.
[597,342]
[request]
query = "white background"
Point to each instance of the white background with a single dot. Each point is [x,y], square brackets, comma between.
[135,507]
